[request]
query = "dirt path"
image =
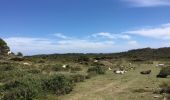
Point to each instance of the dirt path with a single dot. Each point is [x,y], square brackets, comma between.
[113,88]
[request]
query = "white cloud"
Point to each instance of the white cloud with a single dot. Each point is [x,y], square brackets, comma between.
[104,34]
[60,35]
[160,32]
[148,3]
[124,37]
[111,36]
[133,43]
[98,43]
[28,45]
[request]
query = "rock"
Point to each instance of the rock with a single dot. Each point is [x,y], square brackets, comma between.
[156,96]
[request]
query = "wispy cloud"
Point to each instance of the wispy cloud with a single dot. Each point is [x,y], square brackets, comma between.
[60,35]
[29,45]
[112,36]
[133,43]
[160,32]
[148,3]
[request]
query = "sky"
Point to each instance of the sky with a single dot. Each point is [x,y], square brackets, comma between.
[84,26]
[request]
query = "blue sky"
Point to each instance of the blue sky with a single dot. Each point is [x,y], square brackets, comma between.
[84,26]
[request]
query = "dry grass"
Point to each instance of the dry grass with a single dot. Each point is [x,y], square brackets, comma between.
[117,87]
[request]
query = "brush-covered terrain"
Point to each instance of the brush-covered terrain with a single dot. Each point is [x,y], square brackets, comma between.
[85,76]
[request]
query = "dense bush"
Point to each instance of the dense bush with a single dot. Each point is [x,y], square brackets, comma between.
[6,67]
[41,61]
[4,49]
[165,87]
[60,68]
[83,59]
[30,86]
[77,68]
[97,64]
[56,67]
[34,71]
[78,78]
[12,74]
[19,54]
[26,88]
[58,84]
[165,70]
[97,70]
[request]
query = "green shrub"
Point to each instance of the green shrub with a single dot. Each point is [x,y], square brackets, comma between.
[12,74]
[59,68]
[6,67]
[165,70]
[41,61]
[77,68]
[165,87]
[19,54]
[97,64]
[83,59]
[78,78]
[97,70]
[25,88]
[58,84]
[31,86]
[34,71]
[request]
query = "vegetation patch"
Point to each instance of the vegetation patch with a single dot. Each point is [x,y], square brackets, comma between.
[165,70]
[58,84]
[6,67]
[97,70]
[25,88]
[78,78]
[141,90]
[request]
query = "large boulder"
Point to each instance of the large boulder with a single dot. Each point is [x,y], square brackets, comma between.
[4,49]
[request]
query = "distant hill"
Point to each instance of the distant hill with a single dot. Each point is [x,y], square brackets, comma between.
[143,54]
[146,53]
[140,54]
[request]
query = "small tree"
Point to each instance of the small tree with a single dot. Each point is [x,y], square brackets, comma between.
[4,49]
[19,54]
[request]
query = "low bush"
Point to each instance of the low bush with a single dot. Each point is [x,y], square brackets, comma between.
[6,67]
[77,68]
[31,86]
[58,84]
[78,78]
[41,61]
[97,70]
[83,59]
[12,74]
[25,88]
[59,68]
[165,70]
[165,87]
[34,71]
[97,64]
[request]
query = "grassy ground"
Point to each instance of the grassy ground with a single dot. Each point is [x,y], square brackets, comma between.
[130,86]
